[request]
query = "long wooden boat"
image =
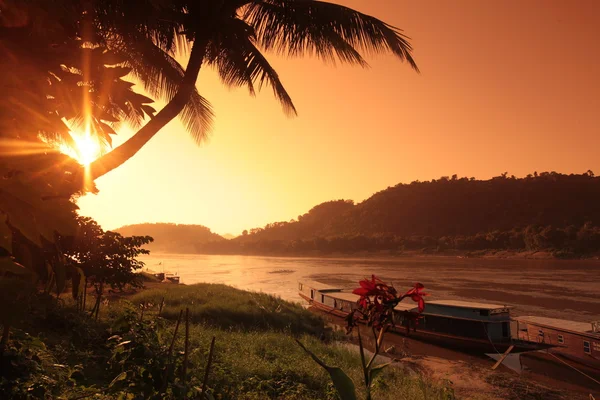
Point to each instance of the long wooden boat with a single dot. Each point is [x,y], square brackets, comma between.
[465,325]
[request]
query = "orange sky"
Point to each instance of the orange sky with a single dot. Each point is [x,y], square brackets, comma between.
[508,85]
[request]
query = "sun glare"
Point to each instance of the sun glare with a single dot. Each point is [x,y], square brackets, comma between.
[87,148]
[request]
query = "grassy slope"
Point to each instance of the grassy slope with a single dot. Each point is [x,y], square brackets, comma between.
[256,356]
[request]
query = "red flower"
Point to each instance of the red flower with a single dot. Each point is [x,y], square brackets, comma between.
[367,287]
[374,291]
[377,301]
[417,294]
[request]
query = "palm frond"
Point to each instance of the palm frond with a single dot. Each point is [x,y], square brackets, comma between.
[161,76]
[296,27]
[157,20]
[240,63]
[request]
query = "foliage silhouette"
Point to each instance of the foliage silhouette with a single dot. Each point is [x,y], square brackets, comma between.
[106,258]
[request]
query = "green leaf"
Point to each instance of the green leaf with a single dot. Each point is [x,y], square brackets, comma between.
[5,234]
[342,382]
[376,370]
[118,378]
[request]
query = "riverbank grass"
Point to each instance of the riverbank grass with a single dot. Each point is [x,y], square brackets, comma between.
[125,353]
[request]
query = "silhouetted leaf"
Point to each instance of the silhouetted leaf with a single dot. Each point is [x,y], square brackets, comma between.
[8,264]
[148,109]
[107,128]
[20,216]
[60,272]
[112,58]
[343,383]
[5,233]
[117,72]
[77,287]
[376,370]
[118,378]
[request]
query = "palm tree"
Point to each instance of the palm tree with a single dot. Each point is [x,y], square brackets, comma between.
[228,35]
[58,56]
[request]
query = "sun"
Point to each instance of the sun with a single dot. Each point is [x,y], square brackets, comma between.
[87,148]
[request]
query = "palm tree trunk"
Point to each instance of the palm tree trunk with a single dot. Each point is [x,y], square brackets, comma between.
[124,152]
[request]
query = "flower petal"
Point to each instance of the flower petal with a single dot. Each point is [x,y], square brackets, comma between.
[421,305]
[361,291]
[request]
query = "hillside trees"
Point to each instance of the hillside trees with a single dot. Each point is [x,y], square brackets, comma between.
[550,212]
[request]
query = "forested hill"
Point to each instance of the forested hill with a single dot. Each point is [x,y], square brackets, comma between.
[543,211]
[172,238]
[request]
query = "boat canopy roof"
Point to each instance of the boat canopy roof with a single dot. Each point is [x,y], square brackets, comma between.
[467,304]
[407,305]
[560,324]
[346,296]
[320,286]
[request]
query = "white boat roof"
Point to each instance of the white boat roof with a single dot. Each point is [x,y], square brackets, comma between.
[319,286]
[466,304]
[346,296]
[560,324]
[407,305]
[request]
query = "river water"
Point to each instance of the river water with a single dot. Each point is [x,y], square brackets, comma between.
[552,288]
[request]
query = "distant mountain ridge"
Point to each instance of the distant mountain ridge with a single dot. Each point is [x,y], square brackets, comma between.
[548,211]
[451,206]
[172,238]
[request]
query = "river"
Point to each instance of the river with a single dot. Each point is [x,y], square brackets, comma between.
[554,288]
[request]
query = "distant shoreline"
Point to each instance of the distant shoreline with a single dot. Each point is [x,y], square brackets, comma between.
[483,254]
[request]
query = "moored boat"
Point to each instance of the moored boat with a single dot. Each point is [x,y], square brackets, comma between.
[166,277]
[574,341]
[173,278]
[466,325]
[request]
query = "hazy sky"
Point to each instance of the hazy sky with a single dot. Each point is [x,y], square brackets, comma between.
[504,86]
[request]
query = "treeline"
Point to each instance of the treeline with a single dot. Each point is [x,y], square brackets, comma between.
[172,238]
[547,211]
[563,243]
